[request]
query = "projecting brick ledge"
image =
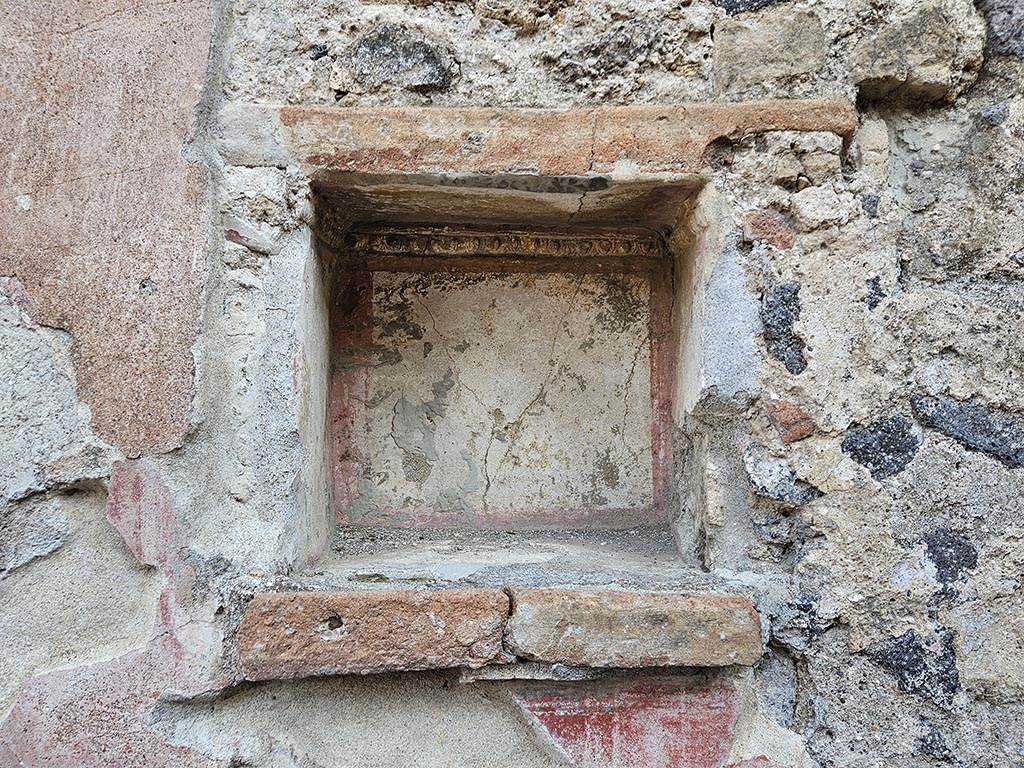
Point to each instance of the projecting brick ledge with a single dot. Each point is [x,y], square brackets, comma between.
[598,628]
[298,634]
[573,142]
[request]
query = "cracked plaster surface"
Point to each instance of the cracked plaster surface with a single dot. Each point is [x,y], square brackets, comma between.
[497,394]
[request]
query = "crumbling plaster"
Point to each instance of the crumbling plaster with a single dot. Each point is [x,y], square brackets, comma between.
[163,298]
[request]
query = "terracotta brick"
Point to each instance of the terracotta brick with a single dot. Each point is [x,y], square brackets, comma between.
[769,227]
[296,634]
[653,139]
[628,629]
[789,420]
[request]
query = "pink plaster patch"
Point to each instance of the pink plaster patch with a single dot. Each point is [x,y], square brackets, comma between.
[99,714]
[93,716]
[641,725]
[12,288]
[141,507]
[756,762]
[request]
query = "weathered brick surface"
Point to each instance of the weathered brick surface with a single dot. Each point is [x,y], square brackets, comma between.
[601,628]
[789,420]
[296,634]
[539,141]
[769,227]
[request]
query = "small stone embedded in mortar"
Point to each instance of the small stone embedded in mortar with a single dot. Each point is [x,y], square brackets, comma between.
[885,447]
[790,420]
[394,56]
[996,433]
[780,309]
[774,479]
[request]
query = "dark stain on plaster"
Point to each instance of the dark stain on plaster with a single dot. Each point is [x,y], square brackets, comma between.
[395,325]
[995,433]
[780,309]
[927,669]
[391,55]
[386,355]
[952,556]
[523,182]
[398,323]
[607,469]
[885,447]
[622,306]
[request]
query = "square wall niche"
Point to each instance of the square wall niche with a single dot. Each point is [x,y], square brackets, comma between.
[503,352]
[505,338]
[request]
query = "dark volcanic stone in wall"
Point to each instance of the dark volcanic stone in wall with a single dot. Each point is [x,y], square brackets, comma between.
[796,624]
[885,447]
[994,114]
[869,203]
[932,743]
[976,427]
[927,669]
[392,56]
[874,294]
[951,554]
[1005,26]
[732,7]
[780,308]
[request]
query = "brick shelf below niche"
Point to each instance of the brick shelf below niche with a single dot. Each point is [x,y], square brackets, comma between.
[300,634]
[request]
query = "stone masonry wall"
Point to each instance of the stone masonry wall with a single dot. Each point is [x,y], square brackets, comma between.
[849,445]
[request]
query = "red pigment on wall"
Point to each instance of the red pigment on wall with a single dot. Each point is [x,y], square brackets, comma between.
[643,725]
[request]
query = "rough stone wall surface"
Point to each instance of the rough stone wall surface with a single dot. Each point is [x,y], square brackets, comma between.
[853,451]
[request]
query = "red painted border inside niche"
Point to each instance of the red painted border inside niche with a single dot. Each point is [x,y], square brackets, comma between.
[351,363]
